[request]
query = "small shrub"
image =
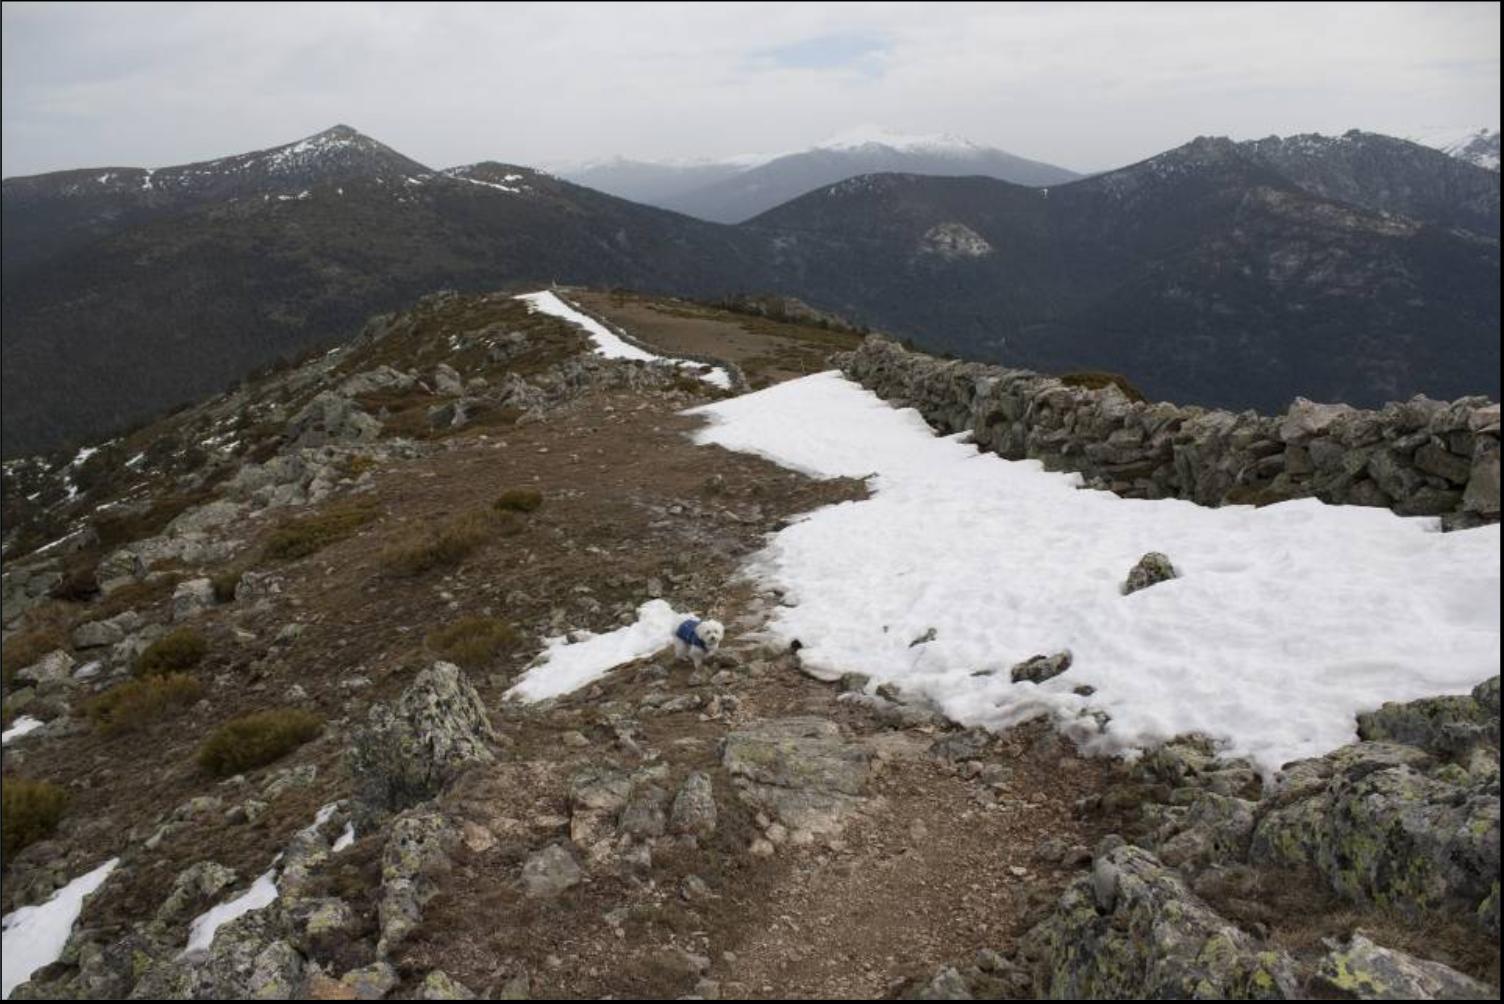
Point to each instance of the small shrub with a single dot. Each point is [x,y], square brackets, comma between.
[472,642]
[32,810]
[519,500]
[135,595]
[224,584]
[172,653]
[136,703]
[257,739]
[1093,380]
[448,545]
[302,537]
[80,583]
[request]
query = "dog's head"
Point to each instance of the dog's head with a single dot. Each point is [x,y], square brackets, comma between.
[711,633]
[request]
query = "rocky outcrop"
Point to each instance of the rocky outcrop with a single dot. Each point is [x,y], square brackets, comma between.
[798,770]
[1363,970]
[1130,929]
[1419,458]
[415,858]
[332,418]
[404,754]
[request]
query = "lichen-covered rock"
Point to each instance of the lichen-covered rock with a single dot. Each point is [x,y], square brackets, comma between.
[249,959]
[1386,825]
[694,810]
[1131,929]
[1447,726]
[415,857]
[800,770]
[440,986]
[405,754]
[194,889]
[192,598]
[1152,569]
[1362,970]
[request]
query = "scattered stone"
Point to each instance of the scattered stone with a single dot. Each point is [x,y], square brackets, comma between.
[1152,568]
[694,810]
[550,871]
[1040,668]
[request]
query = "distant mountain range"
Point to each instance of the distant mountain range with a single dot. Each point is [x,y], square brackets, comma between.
[1358,268]
[734,190]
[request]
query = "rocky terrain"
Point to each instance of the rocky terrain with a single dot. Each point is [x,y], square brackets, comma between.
[258,653]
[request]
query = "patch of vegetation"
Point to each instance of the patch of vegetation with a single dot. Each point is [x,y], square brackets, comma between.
[136,703]
[26,647]
[519,500]
[135,595]
[257,739]
[302,537]
[31,812]
[1094,380]
[172,653]
[472,642]
[224,584]
[449,544]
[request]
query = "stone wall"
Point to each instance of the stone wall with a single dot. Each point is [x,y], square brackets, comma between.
[1419,458]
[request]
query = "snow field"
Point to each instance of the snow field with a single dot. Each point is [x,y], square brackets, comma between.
[1286,621]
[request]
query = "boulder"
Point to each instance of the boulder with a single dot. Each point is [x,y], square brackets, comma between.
[694,810]
[550,871]
[192,598]
[405,754]
[1132,930]
[1152,568]
[1362,970]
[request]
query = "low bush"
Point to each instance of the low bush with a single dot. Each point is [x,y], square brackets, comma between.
[257,739]
[137,703]
[31,812]
[472,642]
[224,584]
[302,537]
[172,653]
[448,545]
[519,500]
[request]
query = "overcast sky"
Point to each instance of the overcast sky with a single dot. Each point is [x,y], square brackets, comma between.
[1084,86]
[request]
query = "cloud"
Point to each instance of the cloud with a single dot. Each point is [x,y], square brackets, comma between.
[1083,85]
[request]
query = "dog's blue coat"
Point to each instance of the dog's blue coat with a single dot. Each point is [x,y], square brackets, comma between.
[686,634]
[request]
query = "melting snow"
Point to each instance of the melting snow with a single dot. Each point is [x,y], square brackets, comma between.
[1285,622]
[18,728]
[261,893]
[608,343]
[345,839]
[34,936]
[565,666]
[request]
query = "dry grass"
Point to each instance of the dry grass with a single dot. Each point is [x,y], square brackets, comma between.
[26,647]
[31,812]
[519,500]
[472,642]
[173,653]
[135,595]
[257,739]
[448,545]
[137,703]
[301,537]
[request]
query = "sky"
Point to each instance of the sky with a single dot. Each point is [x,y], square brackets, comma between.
[1084,86]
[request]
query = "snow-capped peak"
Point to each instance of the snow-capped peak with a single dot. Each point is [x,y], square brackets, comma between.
[865,136]
[1478,146]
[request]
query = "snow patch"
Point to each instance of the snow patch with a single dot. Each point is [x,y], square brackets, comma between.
[34,936]
[261,893]
[18,728]
[565,666]
[611,345]
[1285,623]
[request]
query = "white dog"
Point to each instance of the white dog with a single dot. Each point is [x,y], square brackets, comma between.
[697,639]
